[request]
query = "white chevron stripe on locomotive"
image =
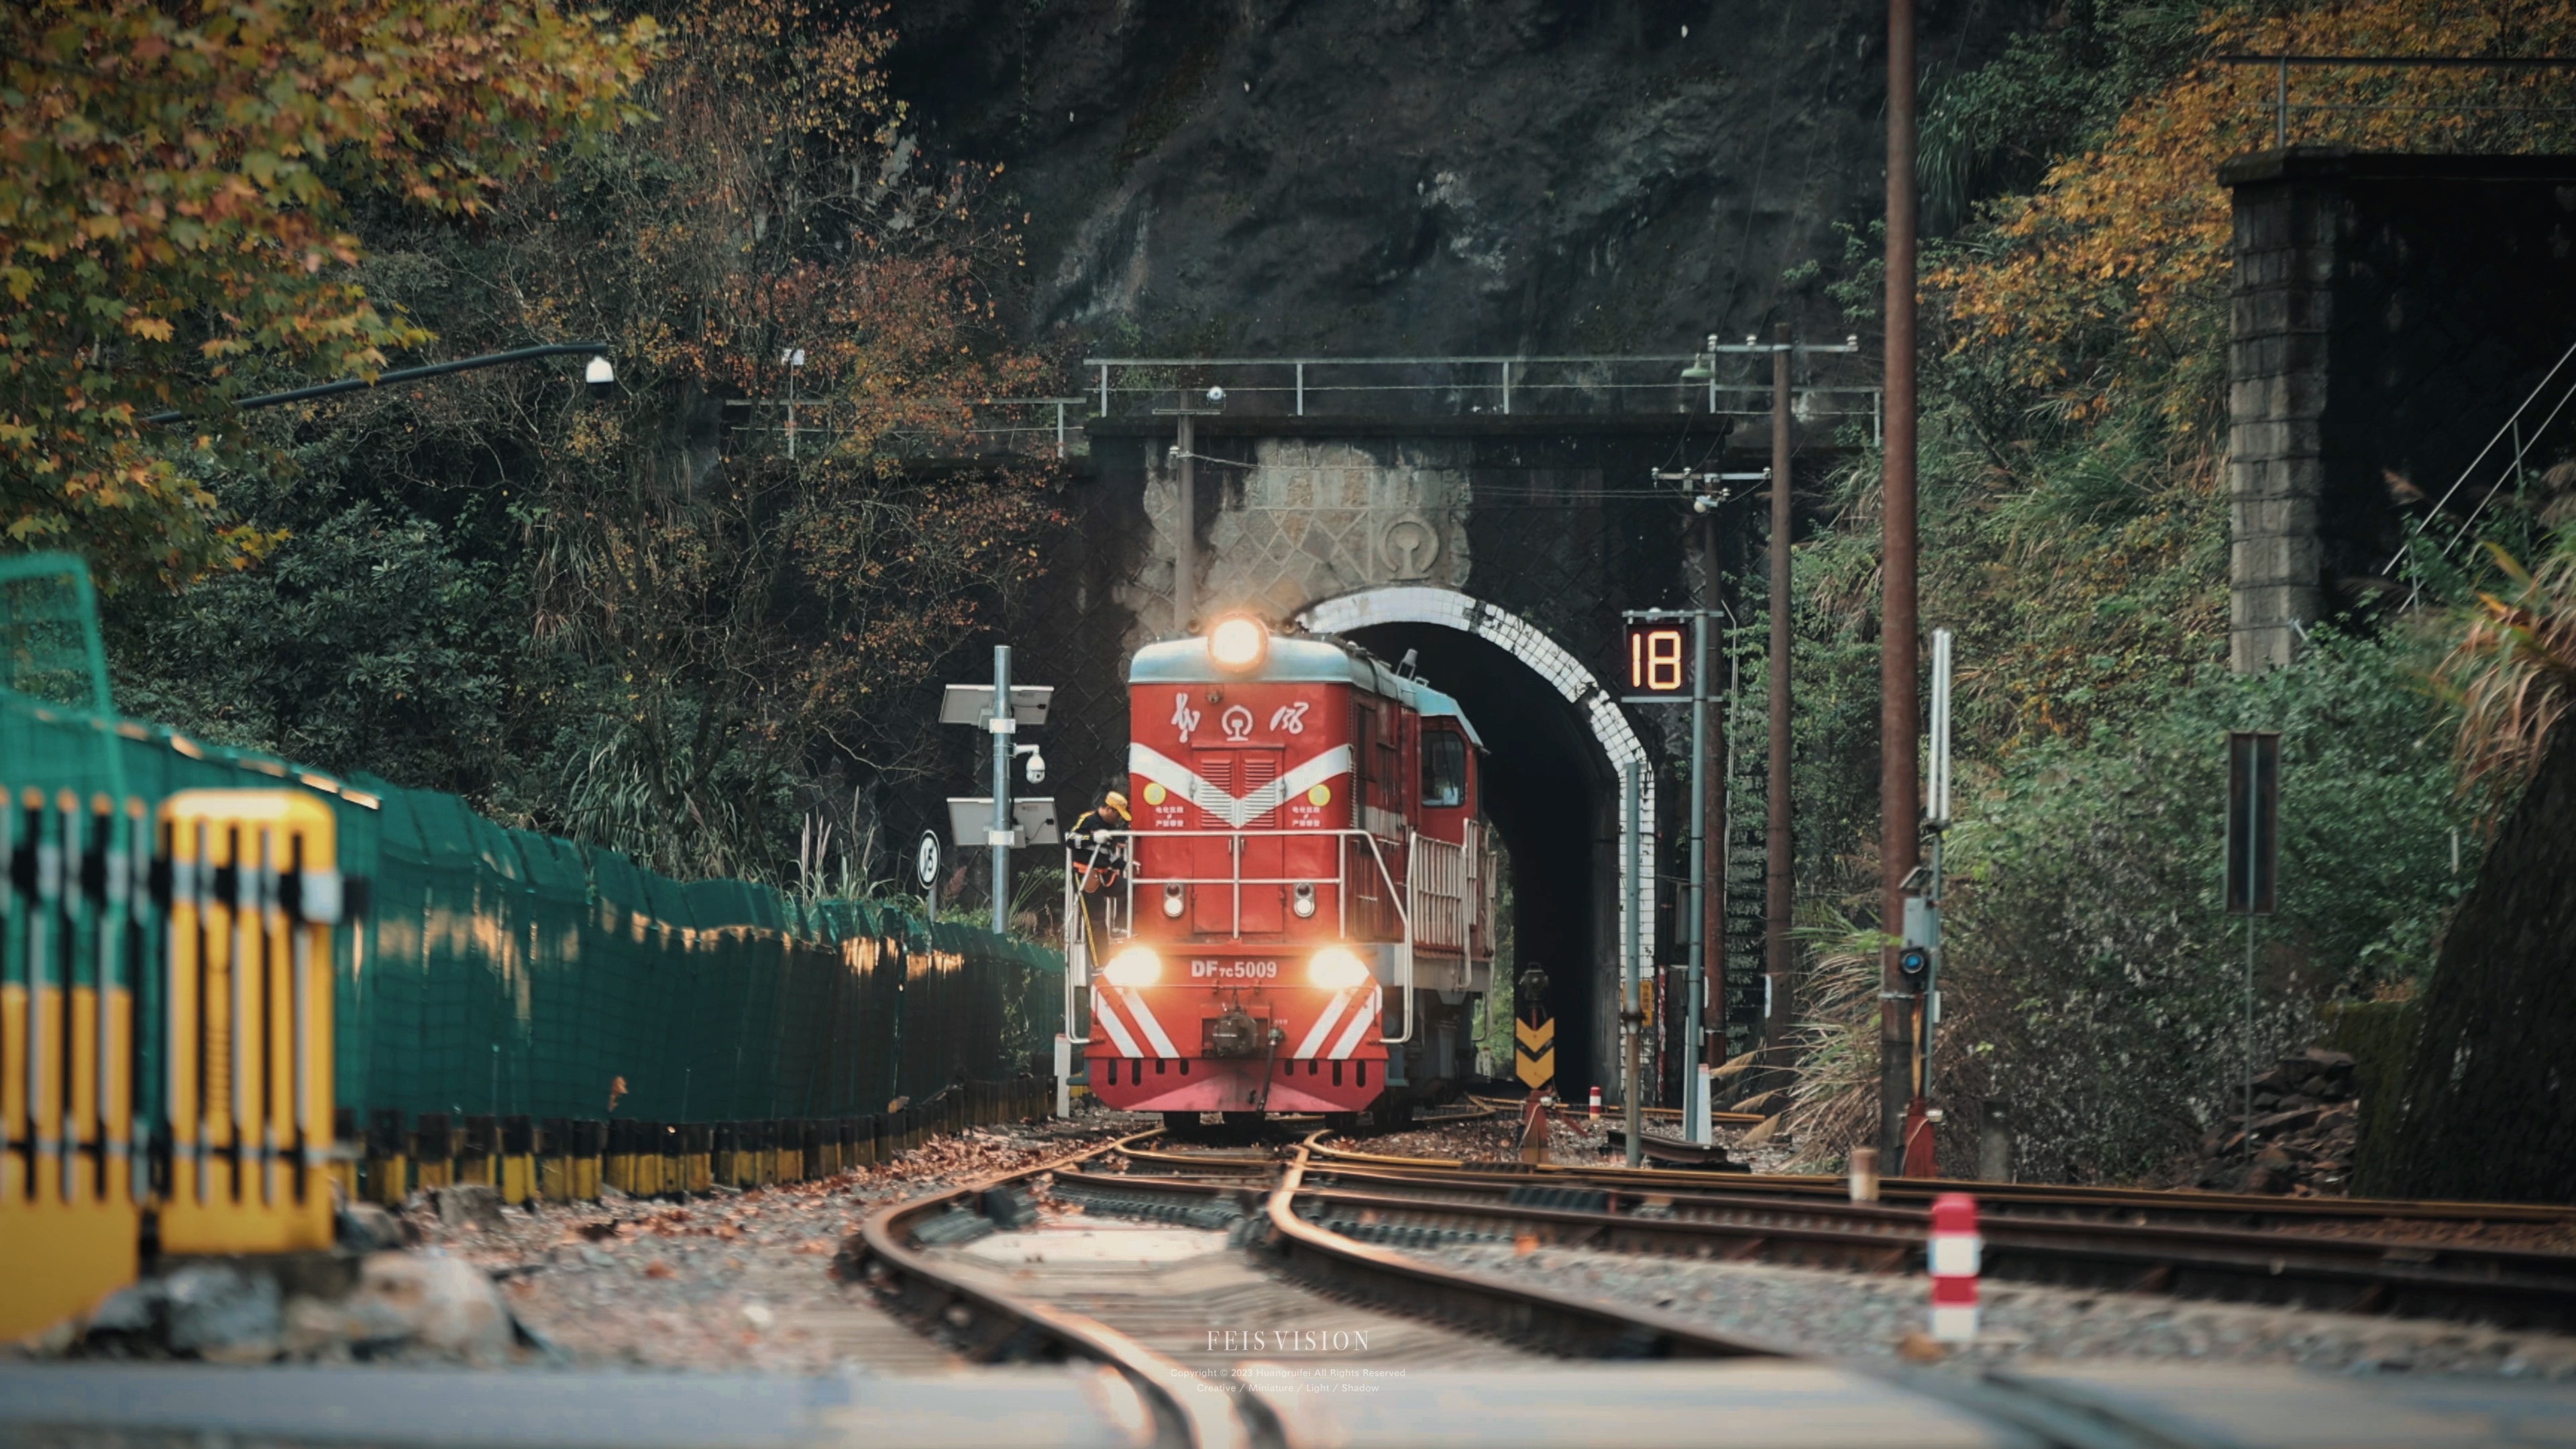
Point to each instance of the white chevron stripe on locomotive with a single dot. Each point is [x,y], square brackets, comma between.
[1143,1015]
[1359,1026]
[1108,1021]
[1171,774]
[1323,1027]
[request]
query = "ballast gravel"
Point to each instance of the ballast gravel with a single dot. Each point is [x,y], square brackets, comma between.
[1576,1138]
[1848,1314]
[732,1280]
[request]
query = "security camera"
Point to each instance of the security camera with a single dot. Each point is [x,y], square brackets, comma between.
[1036,767]
[1173,452]
[1216,395]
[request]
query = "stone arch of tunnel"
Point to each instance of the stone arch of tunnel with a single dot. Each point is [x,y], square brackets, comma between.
[1555,741]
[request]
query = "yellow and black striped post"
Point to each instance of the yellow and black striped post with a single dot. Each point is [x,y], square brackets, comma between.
[75,1102]
[388,1157]
[589,1146]
[254,892]
[518,1175]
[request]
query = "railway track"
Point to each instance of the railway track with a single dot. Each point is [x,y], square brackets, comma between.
[2503,1286]
[2144,1205]
[1333,1230]
[1149,1316]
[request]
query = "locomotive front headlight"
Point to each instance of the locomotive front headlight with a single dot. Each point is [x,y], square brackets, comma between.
[1239,641]
[1336,967]
[1135,966]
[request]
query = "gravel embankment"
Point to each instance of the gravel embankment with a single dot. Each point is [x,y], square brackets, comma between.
[734,1280]
[1814,1311]
[1574,1140]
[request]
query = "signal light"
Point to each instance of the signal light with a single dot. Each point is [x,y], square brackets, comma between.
[1914,961]
[1135,966]
[1337,968]
[1302,900]
[1175,900]
[1239,642]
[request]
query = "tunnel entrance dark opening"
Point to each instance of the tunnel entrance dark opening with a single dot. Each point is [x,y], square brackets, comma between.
[1545,788]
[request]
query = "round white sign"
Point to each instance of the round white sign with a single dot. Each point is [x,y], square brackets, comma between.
[926,858]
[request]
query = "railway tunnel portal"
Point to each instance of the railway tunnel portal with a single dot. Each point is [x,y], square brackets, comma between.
[1497,545]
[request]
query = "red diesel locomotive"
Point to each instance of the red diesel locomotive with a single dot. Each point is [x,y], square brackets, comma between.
[1306,923]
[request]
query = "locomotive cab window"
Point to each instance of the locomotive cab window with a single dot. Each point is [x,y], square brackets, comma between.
[1444,770]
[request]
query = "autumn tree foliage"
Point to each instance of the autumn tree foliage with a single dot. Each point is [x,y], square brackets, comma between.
[655,627]
[2097,281]
[175,193]
[2081,325]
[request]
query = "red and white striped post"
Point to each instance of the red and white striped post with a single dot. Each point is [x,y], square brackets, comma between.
[1596,1104]
[1955,1249]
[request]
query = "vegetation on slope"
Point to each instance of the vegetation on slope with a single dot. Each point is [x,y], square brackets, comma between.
[637,621]
[2075,537]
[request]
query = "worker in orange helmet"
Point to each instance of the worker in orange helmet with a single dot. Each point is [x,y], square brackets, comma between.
[1096,853]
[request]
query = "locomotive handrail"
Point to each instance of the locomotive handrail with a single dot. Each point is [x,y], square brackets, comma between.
[1235,879]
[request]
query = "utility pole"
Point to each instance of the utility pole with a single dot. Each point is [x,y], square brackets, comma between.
[1630,1018]
[1185,541]
[1002,726]
[1185,507]
[1708,871]
[1778,845]
[1695,926]
[794,358]
[1897,719]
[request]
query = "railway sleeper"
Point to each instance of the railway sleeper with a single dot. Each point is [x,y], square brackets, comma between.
[1218,1214]
[959,1224]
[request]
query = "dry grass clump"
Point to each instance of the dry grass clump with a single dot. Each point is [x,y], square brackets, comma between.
[2512,673]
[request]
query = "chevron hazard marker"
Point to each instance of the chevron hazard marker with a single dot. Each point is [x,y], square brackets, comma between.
[1534,1052]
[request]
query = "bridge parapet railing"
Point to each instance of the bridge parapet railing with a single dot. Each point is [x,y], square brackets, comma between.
[999,427]
[1467,385]
[1736,387]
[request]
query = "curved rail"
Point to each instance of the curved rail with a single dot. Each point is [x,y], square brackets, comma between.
[1187,1417]
[1561,1322]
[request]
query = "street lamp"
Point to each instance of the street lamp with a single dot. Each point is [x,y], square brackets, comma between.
[599,376]
[1703,366]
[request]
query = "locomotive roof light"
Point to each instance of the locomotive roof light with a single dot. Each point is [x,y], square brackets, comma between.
[1135,966]
[1337,968]
[1239,642]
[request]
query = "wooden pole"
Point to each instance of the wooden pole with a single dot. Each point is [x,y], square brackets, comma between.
[1779,845]
[1898,783]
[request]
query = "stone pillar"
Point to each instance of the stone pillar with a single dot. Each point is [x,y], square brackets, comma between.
[2283,303]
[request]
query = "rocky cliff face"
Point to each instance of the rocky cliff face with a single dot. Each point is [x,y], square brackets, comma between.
[1423,176]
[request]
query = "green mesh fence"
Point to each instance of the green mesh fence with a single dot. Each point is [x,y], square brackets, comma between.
[49,644]
[503,972]
[510,973]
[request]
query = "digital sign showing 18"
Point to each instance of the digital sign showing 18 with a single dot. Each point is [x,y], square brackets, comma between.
[1658,659]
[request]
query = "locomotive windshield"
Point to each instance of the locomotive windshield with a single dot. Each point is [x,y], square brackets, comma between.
[1444,770]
